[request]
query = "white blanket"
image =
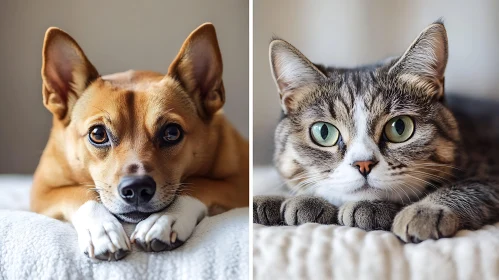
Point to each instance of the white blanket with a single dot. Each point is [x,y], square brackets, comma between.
[33,246]
[313,251]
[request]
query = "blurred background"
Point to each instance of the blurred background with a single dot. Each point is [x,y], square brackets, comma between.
[352,33]
[116,36]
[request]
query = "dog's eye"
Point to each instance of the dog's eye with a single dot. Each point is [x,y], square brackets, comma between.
[98,135]
[172,134]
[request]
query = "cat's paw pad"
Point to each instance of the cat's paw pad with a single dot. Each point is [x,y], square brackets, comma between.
[368,215]
[419,222]
[266,210]
[308,209]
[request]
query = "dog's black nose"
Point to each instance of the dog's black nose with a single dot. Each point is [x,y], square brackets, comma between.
[137,189]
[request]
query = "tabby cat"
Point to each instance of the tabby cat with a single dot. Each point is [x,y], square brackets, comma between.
[380,148]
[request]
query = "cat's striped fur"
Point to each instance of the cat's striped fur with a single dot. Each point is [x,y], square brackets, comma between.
[441,177]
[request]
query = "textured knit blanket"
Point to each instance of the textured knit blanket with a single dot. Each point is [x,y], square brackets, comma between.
[33,246]
[313,251]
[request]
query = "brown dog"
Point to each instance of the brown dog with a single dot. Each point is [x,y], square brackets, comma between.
[137,146]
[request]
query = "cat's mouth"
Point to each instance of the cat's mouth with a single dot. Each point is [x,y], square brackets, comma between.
[363,188]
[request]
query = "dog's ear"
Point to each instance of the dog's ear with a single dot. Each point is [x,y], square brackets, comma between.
[198,67]
[66,72]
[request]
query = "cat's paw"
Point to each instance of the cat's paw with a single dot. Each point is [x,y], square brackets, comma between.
[368,215]
[308,209]
[266,210]
[167,230]
[422,221]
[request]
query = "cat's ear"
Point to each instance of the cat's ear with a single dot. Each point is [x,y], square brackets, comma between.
[293,73]
[66,72]
[425,60]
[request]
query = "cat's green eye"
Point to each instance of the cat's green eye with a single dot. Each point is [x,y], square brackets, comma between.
[399,129]
[324,134]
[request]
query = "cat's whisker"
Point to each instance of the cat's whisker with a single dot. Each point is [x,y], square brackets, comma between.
[307,179]
[437,165]
[304,179]
[306,184]
[301,178]
[386,193]
[440,179]
[395,189]
[412,188]
[308,173]
[286,182]
[422,180]
[438,170]
[420,190]
[406,194]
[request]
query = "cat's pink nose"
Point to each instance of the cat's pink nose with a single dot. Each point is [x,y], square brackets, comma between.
[365,166]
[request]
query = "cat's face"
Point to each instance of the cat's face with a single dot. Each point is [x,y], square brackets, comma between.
[378,132]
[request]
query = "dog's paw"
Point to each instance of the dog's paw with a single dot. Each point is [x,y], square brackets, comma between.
[100,235]
[308,209]
[167,230]
[368,215]
[422,221]
[266,210]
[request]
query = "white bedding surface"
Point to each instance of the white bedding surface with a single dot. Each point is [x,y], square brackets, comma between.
[33,246]
[313,251]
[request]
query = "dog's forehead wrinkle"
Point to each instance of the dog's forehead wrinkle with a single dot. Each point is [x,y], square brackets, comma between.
[134,80]
[106,115]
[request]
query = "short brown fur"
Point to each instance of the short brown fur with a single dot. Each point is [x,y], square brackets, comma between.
[212,159]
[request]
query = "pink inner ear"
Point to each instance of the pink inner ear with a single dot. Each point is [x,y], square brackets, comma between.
[205,64]
[61,61]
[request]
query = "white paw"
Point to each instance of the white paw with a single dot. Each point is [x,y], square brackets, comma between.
[170,228]
[100,235]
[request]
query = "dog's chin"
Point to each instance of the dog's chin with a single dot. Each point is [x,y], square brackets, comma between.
[137,215]
[133,217]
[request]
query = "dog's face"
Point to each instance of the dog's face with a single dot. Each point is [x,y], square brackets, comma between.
[137,135]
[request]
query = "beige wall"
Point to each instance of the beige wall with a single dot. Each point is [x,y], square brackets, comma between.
[116,36]
[349,33]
